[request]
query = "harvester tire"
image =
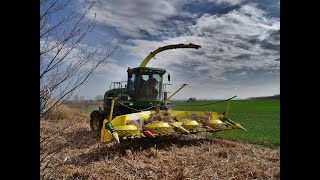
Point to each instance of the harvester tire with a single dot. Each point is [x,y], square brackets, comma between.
[96,121]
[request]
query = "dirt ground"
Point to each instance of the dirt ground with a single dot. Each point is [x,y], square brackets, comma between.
[76,153]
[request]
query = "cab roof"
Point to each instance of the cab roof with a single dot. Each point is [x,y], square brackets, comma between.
[149,69]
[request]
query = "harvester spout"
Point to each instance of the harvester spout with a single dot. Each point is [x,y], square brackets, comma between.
[174,46]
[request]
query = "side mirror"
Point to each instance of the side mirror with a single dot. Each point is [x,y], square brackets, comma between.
[129,72]
[169,77]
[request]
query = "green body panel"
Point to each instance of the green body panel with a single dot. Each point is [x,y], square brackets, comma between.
[120,94]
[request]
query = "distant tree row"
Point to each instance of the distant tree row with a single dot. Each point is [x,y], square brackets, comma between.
[76,98]
[276,96]
[98,98]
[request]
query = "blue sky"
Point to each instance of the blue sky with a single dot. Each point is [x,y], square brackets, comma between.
[239,54]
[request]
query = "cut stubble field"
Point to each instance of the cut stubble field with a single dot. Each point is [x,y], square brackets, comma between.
[76,153]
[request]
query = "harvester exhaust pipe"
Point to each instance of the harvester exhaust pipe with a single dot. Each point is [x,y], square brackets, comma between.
[165,95]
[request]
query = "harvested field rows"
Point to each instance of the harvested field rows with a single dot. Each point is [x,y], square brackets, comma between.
[77,153]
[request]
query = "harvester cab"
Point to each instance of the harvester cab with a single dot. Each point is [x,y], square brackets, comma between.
[140,108]
[145,85]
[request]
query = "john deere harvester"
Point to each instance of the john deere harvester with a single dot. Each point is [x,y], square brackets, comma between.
[139,107]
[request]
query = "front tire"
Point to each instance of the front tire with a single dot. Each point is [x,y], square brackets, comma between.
[96,121]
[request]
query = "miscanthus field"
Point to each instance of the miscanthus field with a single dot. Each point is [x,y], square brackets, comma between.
[70,150]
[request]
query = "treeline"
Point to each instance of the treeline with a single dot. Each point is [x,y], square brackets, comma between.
[276,96]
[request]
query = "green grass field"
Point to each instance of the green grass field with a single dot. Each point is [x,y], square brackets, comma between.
[260,117]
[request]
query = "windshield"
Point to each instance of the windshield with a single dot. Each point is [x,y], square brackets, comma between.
[148,86]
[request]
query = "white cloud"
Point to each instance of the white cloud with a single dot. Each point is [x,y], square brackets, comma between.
[112,71]
[239,40]
[67,55]
[233,44]
[248,20]
[127,16]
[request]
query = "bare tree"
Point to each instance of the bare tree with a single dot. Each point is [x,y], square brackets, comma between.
[67,61]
